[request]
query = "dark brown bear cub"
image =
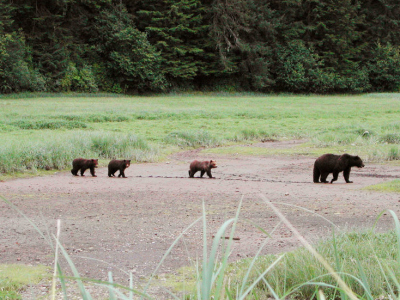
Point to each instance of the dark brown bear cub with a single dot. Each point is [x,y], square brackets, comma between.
[116,165]
[203,166]
[84,164]
[330,163]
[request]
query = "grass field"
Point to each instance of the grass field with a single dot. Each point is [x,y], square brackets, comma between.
[388,186]
[48,132]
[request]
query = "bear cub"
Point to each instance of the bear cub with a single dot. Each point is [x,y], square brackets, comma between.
[330,163]
[203,166]
[84,164]
[116,165]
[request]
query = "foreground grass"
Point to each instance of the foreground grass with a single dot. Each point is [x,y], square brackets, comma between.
[299,274]
[15,277]
[362,260]
[389,186]
[50,131]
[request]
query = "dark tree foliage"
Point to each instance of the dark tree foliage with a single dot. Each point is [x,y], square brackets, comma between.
[125,52]
[177,30]
[299,46]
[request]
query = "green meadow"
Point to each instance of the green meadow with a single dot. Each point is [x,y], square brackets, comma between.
[40,132]
[388,186]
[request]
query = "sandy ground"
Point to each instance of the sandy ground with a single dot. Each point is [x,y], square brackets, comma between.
[116,224]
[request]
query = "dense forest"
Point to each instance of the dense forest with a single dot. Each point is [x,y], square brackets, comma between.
[139,46]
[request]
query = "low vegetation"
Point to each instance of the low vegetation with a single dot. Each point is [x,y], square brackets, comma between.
[47,132]
[14,277]
[388,186]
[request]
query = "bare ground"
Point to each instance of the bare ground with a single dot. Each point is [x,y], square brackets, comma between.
[114,224]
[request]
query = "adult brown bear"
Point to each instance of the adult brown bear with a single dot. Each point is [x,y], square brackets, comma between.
[331,163]
[116,165]
[84,164]
[203,167]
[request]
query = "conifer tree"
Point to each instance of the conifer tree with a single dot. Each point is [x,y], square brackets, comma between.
[176,29]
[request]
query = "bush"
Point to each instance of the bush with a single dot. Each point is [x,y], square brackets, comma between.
[76,80]
[16,71]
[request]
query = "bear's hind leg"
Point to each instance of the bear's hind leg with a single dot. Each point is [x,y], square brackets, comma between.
[316,175]
[92,172]
[335,176]
[323,177]
[83,171]
[121,173]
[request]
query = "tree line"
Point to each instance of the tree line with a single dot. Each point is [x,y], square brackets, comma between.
[139,46]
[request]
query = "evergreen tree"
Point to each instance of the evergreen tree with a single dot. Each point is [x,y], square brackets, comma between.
[382,21]
[175,27]
[125,52]
[319,46]
[6,20]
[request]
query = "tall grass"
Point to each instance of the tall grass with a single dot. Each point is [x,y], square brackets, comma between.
[192,139]
[250,134]
[351,254]
[55,152]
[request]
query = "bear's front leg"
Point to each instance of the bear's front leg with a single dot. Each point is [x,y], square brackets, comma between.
[346,175]
[93,172]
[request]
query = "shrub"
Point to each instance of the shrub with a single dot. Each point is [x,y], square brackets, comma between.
[16,71]
[76,80]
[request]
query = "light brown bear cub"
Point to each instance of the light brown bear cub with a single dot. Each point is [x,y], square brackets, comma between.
[203,167]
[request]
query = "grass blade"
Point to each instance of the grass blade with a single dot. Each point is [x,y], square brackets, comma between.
[308,246]
[53,286]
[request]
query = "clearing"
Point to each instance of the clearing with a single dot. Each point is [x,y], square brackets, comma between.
[114,224]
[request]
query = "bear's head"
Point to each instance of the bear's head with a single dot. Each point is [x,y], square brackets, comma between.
[213,164]
[94,162]
[357,162]
[127,163]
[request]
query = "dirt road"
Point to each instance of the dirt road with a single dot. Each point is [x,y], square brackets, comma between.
[128,224]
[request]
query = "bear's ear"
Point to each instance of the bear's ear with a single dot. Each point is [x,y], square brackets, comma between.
[211,161]
[92,160]
[129,161]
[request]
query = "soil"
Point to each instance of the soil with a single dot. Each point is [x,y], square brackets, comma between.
[128,224]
